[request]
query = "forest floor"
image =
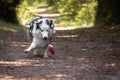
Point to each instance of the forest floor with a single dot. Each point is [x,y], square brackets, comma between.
[80,54]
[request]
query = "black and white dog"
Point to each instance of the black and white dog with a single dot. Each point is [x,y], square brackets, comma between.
[41,32]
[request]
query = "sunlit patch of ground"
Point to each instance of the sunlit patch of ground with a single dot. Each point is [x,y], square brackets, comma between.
[80,54]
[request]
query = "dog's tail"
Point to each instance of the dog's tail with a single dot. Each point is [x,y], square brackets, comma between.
[29,35]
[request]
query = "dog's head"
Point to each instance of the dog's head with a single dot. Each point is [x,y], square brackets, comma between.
[43,25]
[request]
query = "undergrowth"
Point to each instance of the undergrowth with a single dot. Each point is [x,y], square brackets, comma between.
[5,28]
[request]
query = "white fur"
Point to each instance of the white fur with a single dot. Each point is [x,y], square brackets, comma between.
[39,44]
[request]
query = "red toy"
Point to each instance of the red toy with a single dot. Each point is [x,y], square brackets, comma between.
[51,51]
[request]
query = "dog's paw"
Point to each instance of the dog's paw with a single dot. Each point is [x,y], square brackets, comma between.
[26,51]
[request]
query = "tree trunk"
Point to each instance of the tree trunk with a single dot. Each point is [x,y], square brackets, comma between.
[7,10]
[108,12]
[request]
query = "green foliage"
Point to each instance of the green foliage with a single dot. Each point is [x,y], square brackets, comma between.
[72,11]
[6,27]
[79,11]
[25,10]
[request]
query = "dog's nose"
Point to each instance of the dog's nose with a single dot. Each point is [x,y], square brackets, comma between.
[45,38]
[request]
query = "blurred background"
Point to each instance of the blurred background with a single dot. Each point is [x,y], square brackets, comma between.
[86,43]
[70,12]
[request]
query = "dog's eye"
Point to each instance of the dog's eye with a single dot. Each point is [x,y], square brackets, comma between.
[47,30]
[41,30]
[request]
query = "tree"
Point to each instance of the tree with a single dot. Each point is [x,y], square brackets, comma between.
[78,11]
[7,10]
[108,12]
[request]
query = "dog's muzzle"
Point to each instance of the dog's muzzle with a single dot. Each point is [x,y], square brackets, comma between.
[45,35]
[45,38]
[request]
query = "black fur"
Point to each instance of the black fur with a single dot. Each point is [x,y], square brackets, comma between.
[50,23]
[38,25]
[35,21]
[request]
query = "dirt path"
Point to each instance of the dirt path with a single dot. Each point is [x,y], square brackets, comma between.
[82,54]
[77,57]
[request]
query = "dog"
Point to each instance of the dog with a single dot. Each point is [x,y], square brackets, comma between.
[41,33]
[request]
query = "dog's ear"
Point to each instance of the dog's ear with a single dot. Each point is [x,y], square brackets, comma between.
[35,20]
[50,23]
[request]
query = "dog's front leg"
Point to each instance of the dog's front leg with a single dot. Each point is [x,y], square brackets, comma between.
[46,53]
[31,47]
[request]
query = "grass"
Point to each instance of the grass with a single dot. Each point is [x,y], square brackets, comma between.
[5,28]
[8,26]
[66,22]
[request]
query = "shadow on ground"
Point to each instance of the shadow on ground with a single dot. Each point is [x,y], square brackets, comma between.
[81,54]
